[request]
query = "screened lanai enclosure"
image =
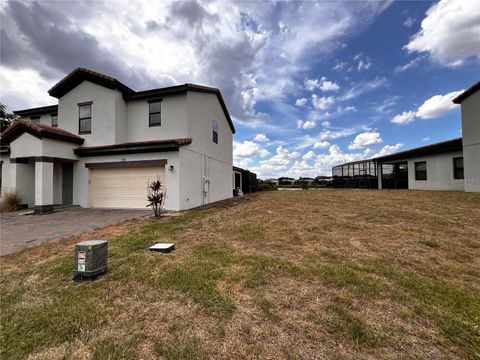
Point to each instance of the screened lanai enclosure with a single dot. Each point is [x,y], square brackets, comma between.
[364,174]
[358,174]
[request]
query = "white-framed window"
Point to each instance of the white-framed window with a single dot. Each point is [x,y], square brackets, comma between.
[85,118]
[54,120]
[155,113]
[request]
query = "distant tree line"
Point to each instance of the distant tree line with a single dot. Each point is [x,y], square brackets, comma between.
[6,118]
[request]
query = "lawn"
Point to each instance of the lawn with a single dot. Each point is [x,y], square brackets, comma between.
[308,274]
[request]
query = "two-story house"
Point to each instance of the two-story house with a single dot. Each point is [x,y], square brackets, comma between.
[104,142]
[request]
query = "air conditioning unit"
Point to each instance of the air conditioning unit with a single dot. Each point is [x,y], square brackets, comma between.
[90,259]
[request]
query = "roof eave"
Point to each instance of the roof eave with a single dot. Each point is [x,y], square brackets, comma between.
[470,91]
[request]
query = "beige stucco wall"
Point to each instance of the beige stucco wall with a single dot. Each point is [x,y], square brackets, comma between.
[471,141]
[5,172]
[439,173]
[214,162]
[27,145]
[107,113]
[174,119]
[22,181]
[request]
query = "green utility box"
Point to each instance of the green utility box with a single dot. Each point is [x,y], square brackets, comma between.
[90,258]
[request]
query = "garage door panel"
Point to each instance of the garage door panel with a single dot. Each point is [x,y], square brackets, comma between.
[122,187]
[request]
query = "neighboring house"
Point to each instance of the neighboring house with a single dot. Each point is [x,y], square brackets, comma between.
[273,181]
[244,180]
[448,165]
[286,181]
[304,181]
[104,142]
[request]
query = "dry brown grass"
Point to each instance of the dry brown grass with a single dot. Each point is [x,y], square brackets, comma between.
[309,274]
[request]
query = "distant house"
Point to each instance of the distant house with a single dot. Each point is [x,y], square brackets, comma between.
[286,181]
[305,181]
[103,142]
[272,180]
[448,165]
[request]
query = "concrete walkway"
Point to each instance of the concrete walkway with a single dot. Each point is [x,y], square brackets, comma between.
[19,231]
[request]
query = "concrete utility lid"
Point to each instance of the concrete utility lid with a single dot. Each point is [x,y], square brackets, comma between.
[162,247]
[91,242]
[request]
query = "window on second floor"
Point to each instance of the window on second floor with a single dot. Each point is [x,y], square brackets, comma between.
[35,119]
[458,168]
[54,120]
[421,170]
[85,118]
[155,113]
[215,131]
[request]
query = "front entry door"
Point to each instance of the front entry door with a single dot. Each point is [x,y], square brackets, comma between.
[67,183]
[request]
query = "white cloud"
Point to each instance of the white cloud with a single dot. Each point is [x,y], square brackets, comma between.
[277,164]
[335,134]
[321,145]
[24,84]
[301,102]
[326,124]
[449,33]
[388,149]
[365,139]
[411,64]
[323,84]
[339,65]
[323,102]
[409,22]
[426,138]
[248,149]
[261,138]
[328,85]
[364,87]
[325,162]
[243,163]
[363,62]
[263,153]
[309,155]
[404,118]
[245,149]
[438,105]
[240,48]
[306,124]
[311,84]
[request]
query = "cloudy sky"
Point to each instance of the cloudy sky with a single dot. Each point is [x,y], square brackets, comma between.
[309,84]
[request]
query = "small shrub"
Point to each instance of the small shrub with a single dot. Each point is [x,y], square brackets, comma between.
[265,186]
[10,202]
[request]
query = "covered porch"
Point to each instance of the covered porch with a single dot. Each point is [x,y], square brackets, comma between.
[42,164]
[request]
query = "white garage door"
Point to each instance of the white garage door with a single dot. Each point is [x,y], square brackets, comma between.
[124,187]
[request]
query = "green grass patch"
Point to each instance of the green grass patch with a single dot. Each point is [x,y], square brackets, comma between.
[26,328]
[346,323]
[453,307]
[199,277]
[267,307]
[113,349]
[348,275]
[180,348]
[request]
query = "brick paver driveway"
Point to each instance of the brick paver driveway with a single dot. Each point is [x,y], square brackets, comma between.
[20,231]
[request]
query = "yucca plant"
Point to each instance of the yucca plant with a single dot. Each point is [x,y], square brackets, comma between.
[156,197]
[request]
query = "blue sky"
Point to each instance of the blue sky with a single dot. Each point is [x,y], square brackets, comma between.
[309,84]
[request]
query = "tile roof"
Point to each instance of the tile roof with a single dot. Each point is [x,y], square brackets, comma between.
[39,130]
